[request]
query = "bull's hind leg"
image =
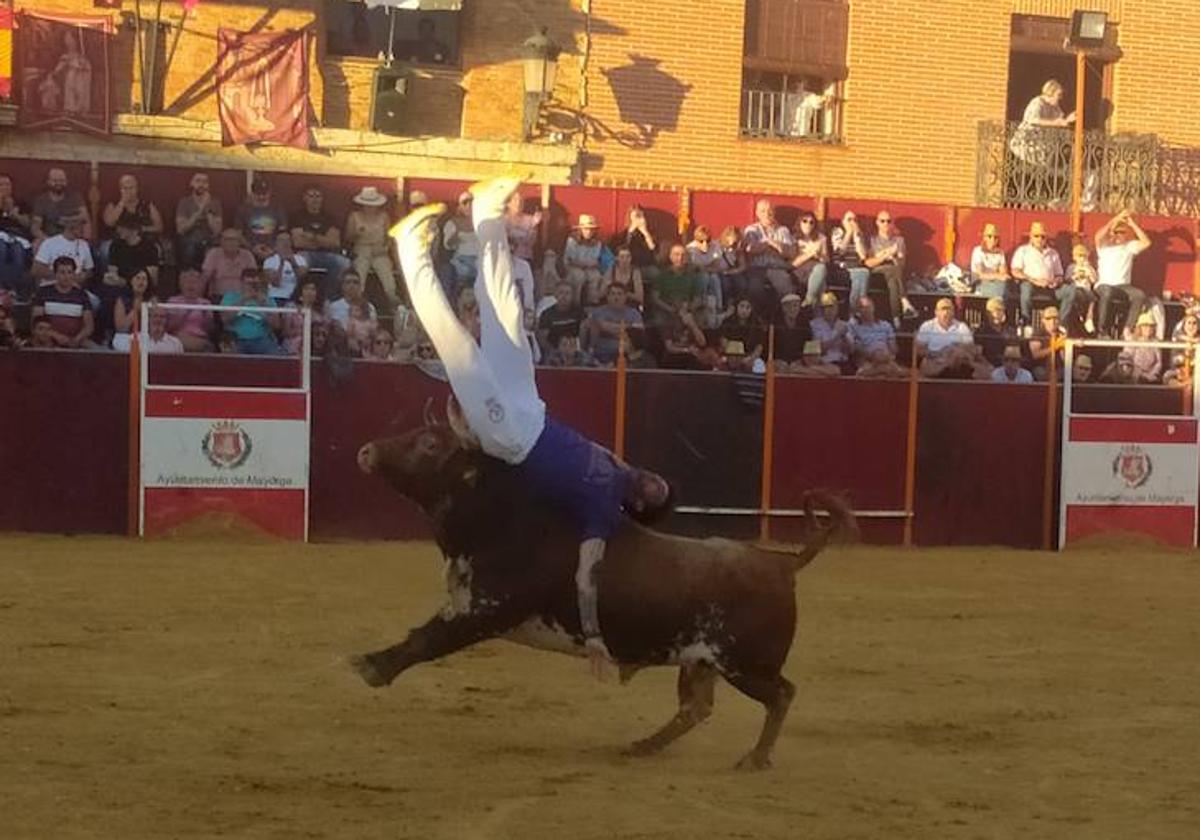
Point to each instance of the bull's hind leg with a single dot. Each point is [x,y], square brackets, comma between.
[776,694]
[695,687]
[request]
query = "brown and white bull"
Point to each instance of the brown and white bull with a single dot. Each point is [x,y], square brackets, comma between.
[710,606]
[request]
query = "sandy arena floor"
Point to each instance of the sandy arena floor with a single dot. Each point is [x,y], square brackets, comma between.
[198,689]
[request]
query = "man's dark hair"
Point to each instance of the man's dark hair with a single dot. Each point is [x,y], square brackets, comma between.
[64,261]
[652,516]
[312,186]
[251,273]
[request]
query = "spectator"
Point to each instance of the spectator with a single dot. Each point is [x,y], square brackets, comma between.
[468,312]
[284,269]
[127,310]
[995,333]
[111,287]
[406,332]
[260,220]
[1121,371]
[742,338]
[812,365]
[158,339]
[770,249]
[199,220]
[1083,277]
[69,243]
[849,252]
[132,252]
[708,259]
[605,323]
[1043,111]
[638,239]
[41,334]
[460,241]
[352,292]
[792,332]
[733,265]
[523,231]
[1081,371]
[886,256]
[16,241]
[417,198]
[306,297]
[872,341]
[676,288]
[56,203]
[563,318]
[8,330]
[317,237]
[131,205]
[253,332]
[224,265]
[1180,373]
[1115,251]
[1038,268]
[193,327]
[1046,341]
[66,306]
[685,346]
[945,345]
[1010,369]
[383,347]
[361,327]
[426,48]
[568,354]
[367,236]
[1188,328]
[832,332]
[989,267]
[582,258]
[1147,361]
[812,254]
[629,277]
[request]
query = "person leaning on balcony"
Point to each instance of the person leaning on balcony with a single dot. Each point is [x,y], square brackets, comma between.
[1043,111]
[989,266]
[1117,243]
[367,234]
[770,249]
[886,254]
[812,255]
[1038,267]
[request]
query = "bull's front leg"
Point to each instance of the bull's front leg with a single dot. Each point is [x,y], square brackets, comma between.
[440,636]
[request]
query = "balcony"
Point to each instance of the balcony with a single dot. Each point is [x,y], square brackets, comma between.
[801,117]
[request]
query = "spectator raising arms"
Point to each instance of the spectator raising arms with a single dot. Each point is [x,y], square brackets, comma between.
[1117,243]
[134,208]
[198,221]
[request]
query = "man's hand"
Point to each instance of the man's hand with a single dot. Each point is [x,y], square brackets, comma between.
[599,659]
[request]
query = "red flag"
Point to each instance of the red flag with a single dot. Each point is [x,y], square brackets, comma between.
[262,87]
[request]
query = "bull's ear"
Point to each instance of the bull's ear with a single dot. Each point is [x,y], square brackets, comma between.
[470,476]
[429,417]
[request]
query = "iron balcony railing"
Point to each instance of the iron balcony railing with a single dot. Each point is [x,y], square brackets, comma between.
[807,117]
[1029,167]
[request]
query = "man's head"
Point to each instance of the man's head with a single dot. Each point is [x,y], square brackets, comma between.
[200,184]
[806,226]
[1125,364]
[616,295]
[191,283]
[73,226]
[564,295]
[996,311]
[157,323]
[744,309]
[465,200]
[587,226]
[128,187]
[231,241]
[381,345]
[568,344]
[352,286]
[283,243]
[650,497]
[678,257]
[313,198]
[252,282]
[866,310]
[883,221]
[64,272]
[41,332]
[790,304]
[56,181]
[764,212]
[1082,369]
[943,311]
[829,306]
[260,191]
[991,236]
[1012,359]
[1050,319]
[1120,233]
[1080,254]
[702,234]
[1037,235]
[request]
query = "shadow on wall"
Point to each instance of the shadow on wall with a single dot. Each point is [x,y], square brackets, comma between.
[648,98]
[923,252]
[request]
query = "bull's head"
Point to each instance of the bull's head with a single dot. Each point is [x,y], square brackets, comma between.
[425,464]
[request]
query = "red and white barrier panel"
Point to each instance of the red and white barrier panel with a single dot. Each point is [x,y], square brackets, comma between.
[240,454]
[1130,474]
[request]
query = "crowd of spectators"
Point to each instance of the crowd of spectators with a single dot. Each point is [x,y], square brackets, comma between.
[818,300]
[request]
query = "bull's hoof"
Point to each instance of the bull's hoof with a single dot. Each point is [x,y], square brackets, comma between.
[370,674]
[642,748]
[754,760]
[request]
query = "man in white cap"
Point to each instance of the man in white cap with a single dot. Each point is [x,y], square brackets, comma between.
[367,236]
[493,382]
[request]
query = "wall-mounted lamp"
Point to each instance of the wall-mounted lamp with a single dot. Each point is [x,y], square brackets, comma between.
[540,57]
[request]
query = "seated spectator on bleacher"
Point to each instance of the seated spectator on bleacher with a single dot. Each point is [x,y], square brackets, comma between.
[1010,369]
[567,353]
[66,306]
[352,292]
[743,338]
[995,332]
[792,332]
[223,265]
[306,297]
[361,326]
[284,269]
[1083,277]
[733,265]
[848,249]
[1038,267]
[812,365]
[872,341]
[1117,244]
[1120,372]
[674,288]
[812,253]
[629,277]
[708,259]
[583,260]
[260,220]
[832,332]
[523,231]
[460,241]
[253,332]
[605,322]
[1188,328]
[640,242]
[199,220]
[1046,341]
[193,327]
[56,203]
[383,347]
[685,346]
[132,251]
[127,309]
[565,317]
[8,330]
[159,340]
[989,267]
[945,346]
[1147,361]
[367,236]
[318,238]
[130,205]
[886,258]
[41,334]
[1081,371]
[69,242]
[770,249]
[1179,374]
[16,241]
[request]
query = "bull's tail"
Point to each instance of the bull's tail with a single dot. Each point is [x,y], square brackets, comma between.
[841,525]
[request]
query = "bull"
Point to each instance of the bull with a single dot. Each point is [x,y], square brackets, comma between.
[713,607]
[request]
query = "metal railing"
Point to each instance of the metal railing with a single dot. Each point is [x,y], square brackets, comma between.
[1030,168]
[804,117]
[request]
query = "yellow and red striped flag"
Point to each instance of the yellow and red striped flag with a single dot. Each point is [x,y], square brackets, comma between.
[6,51]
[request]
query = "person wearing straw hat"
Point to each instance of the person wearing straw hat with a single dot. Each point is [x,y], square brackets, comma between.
[498,408]
[581,259]
[367,236]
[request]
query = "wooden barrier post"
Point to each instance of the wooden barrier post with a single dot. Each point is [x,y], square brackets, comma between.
[768,447]
[1051,425]
[619,403]
[133,496]
[910,448]
[1077,156]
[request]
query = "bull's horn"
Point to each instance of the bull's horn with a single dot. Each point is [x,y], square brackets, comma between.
[458,424]
[428,415]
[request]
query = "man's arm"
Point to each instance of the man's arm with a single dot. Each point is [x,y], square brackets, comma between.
[591,552]
[89,326]
[1142,238]
[1018,264]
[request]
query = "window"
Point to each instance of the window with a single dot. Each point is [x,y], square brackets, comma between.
[793,67]
[425,34]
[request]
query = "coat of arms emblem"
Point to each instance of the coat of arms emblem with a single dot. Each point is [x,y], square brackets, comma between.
[226,445]
[1132,466]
